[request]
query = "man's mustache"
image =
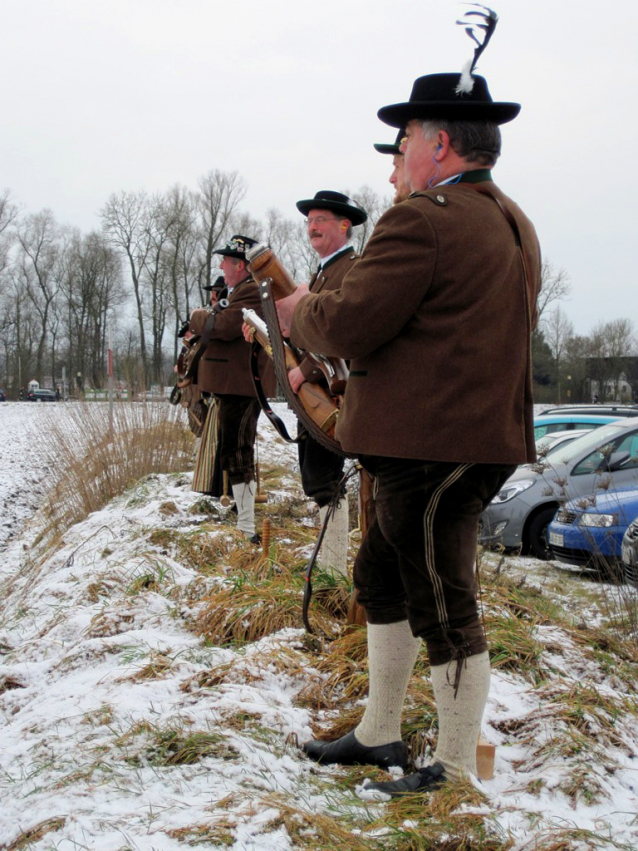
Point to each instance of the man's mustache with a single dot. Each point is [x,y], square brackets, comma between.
[315,233]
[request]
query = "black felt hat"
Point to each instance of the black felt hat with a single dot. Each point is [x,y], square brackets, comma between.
[237,246]
[218,284]
[391,149]
[336,202]
[440,96]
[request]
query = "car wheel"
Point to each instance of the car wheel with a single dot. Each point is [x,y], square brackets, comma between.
[537,533]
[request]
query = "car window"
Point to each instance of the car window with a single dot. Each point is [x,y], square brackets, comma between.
[591,441]
[550,428]
[593,462]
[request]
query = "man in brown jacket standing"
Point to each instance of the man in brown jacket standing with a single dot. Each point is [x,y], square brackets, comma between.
[436,319]
[331,217]
[225,371]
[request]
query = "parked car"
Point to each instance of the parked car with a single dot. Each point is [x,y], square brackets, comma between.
[3,395]
[550,443]
[572,420]
[519,514]
[588,531]
[596,410]
[630,554]
[42,396]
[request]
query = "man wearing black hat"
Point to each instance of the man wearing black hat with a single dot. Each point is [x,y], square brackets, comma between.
[397,178]
[436,319]
[330,219]
[225,371]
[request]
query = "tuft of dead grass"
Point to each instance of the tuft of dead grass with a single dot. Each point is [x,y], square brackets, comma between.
[144,439]
[172,744]
[29,837]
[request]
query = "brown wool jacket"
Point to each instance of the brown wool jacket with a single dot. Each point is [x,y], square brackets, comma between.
[436,319]
[327,278]
[225,366]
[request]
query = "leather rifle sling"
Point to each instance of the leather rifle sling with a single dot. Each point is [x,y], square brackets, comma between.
[509,218]
[276,421]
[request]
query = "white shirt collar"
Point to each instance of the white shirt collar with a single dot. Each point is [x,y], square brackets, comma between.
[324,260]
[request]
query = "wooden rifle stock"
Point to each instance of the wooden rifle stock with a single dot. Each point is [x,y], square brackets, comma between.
[264,263]
[315,400]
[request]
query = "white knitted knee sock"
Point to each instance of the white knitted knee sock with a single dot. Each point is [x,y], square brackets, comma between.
[392,652]
[460,717]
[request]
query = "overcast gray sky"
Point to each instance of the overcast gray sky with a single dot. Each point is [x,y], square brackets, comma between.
[99,97]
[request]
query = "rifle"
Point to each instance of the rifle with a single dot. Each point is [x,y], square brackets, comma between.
[315,407]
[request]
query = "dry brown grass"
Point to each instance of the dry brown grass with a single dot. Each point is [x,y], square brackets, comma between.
[172,744]
[29,837]
[145,439]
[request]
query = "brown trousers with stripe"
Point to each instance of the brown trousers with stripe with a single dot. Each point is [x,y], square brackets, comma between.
[237,423]
[418,558]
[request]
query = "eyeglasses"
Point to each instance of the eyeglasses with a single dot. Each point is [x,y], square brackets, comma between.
[319,220]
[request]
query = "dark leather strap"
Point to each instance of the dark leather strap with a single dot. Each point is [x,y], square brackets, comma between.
[510,219]
[276,420]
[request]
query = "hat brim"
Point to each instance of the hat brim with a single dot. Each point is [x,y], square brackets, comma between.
[398,114]
[386,149]
[228,252]
[357,217]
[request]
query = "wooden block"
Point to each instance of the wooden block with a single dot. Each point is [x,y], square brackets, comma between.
[485,753]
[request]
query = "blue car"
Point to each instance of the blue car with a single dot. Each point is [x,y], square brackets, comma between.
[545,423]
[588,531]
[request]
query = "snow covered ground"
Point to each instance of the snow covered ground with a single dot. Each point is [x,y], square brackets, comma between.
[81,717]
[24,472]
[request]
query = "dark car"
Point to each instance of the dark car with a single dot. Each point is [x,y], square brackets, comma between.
[42,396]
[3,396]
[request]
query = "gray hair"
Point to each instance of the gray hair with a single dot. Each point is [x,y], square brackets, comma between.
[475,141]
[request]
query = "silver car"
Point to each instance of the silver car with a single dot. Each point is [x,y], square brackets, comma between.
[630,554]
[519,514]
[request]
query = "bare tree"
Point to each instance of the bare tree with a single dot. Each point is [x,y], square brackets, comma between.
[92,287]
[577,351]
[8,214]
[611,344]
[180,253]
[125,225]
[219,196]
[375,206]
[558,330]
[38,238]
[555,286]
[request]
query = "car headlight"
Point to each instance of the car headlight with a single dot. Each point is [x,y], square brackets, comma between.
[600,521]
[509,491]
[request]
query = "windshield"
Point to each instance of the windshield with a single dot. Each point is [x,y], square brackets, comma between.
[587,443]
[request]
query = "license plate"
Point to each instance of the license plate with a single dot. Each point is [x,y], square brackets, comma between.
[556,539]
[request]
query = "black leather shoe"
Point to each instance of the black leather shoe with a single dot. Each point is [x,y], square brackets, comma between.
[425,780]
[348,751]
